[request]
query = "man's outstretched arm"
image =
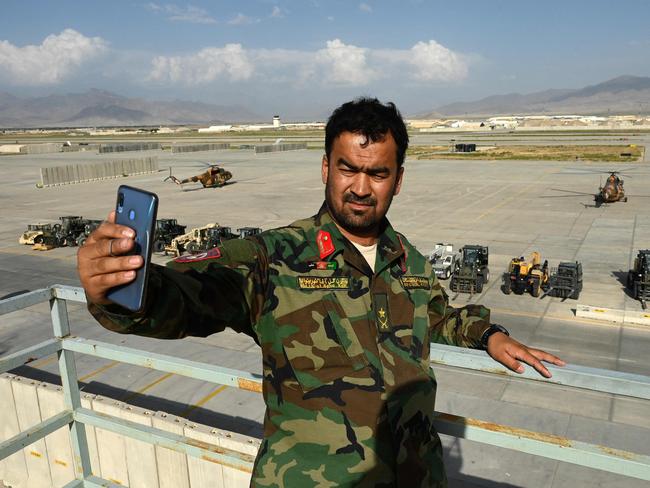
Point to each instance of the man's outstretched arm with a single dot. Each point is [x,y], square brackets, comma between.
[190,297]
[467,327]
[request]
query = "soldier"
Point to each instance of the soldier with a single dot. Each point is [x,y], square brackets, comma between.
[343,308]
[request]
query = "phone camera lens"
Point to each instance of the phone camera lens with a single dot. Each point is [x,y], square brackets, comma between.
[120,202]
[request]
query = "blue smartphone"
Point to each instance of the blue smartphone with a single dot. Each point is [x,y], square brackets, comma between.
[136,209]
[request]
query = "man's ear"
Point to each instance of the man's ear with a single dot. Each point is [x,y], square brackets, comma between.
[398,181]
[324,169]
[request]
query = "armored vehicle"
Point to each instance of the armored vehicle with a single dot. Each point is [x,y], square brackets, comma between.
[565,281]
[33,231]
[638,278]
[166,231]
[244,232]
[199,239]
[471,271]
[526,276]
[443,259]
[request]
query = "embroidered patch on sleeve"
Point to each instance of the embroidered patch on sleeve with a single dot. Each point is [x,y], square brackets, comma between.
[192,258]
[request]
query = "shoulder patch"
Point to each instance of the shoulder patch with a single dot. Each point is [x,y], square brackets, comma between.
[192,258]
[412,282]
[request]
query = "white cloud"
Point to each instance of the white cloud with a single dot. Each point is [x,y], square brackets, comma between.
[277,12]
[208,65]
[55,59]
[364,7]
[434,62]
[336,64]
[345,64]
[241,19]
[191,14]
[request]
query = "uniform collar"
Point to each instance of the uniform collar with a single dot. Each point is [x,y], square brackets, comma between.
[389,247]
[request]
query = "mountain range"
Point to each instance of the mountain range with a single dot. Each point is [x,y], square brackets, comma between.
[622,95]
[103,108]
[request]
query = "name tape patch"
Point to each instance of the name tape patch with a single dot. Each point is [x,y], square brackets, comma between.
[323,283]
[412,282]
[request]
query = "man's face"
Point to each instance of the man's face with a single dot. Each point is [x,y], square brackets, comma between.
[361,177]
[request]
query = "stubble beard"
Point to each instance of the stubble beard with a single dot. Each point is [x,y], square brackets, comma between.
[358,223]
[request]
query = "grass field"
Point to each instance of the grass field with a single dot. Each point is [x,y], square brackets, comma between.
[617,153]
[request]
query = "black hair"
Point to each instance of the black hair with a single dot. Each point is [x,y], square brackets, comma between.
[370,118]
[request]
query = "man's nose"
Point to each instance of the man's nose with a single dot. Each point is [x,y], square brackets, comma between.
[361,185]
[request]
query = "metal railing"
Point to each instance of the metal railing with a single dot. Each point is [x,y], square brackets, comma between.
[76,417]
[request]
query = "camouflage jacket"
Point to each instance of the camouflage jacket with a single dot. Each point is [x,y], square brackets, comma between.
[347,384]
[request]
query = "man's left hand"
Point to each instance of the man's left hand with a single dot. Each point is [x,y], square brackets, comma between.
[509,352]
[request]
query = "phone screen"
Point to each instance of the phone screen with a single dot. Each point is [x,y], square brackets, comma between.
[137,209]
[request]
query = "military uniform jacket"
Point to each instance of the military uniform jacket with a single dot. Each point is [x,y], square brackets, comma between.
[347,384]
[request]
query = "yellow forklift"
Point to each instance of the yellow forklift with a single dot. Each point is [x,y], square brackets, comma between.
[526,275]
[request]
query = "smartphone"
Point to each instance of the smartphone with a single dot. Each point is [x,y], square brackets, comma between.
[137,209]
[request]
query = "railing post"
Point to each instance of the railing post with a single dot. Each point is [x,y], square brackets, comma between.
[71,395]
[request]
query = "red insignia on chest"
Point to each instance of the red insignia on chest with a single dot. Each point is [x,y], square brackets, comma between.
[191,258]
[325,244]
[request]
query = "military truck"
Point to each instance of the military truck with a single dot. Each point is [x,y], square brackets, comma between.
[443,259]
[89,226]
[166,231]
[565,281]
[638,278]
[71,228]
[526,275]
[199,239]
[244,232]
[33,231]
[471,271]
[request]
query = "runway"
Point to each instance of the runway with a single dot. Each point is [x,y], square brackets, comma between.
[513,207]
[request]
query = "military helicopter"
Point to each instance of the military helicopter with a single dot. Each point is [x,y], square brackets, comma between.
[612,191]
[214,177]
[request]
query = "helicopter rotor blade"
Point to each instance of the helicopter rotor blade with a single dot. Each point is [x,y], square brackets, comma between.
[571,191]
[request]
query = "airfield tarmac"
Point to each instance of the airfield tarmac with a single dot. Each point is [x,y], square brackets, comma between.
[510,206]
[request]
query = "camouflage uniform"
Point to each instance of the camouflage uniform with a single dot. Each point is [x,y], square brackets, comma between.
[347,384]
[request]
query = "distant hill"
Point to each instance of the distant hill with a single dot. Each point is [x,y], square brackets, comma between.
[622,95]
[103,108]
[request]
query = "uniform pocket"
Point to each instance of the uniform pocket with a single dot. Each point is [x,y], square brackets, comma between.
[315,350]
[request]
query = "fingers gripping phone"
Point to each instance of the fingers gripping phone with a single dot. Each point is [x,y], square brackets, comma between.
[136,209]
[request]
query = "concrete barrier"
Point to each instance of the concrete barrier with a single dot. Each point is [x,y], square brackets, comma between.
[12,469]
[29,415]
[172,466]
[613,315]
[80,173]
[183,148]
[128,146]
[46,148]
[279,147]
[133,463]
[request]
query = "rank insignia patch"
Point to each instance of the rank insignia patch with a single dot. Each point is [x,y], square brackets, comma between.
[382,316]
[323,283]
[412,282]
[325,244]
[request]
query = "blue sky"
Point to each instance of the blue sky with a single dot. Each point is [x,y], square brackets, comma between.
[301,58]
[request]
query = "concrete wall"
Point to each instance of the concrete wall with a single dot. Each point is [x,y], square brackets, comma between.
[182,148]
[280,147]
[129,146]
[78,173]
[48,462]
[50,147]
